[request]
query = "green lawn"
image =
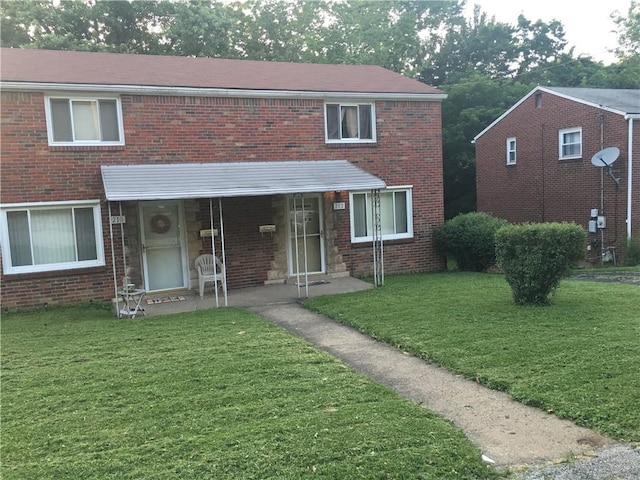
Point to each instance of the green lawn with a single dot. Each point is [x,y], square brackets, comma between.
[216,394]
[579,357]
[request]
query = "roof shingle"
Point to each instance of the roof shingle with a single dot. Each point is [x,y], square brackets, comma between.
[91,68]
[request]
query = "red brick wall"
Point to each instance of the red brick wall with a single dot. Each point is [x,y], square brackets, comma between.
[542,188]
[161,129]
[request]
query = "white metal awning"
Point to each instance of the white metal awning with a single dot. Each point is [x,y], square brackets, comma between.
[215,180]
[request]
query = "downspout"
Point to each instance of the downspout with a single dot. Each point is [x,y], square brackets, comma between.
[602,212]
[544,182]
[629,175]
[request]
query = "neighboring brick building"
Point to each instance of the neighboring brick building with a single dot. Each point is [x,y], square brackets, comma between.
[77,126]
[533,164]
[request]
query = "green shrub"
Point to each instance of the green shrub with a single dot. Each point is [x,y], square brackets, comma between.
[535,257]
[470,239]
[632,252]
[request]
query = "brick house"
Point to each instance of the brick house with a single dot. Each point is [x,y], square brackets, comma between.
[117,165]
[534,163]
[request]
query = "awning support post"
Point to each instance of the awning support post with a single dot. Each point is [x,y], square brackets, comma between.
[213,250]
[113,261]
[224,254]
[378,250]
[304,248]
[124,253]
[295,241]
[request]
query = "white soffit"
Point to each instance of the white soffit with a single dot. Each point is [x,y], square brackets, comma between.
[213,180]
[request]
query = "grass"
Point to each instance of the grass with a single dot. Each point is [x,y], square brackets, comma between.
[578,358]
[217,394]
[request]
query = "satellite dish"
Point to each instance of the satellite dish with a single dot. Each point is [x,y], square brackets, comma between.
[605,157]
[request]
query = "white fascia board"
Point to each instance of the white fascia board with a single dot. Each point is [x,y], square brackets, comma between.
[214,92]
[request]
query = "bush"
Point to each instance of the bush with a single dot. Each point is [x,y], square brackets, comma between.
[632,252]
[535,257]
[470,239]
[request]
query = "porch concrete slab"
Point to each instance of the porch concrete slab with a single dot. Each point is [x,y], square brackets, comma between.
[274,294]
[509,433]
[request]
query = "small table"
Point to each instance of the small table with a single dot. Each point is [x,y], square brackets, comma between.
[132,300]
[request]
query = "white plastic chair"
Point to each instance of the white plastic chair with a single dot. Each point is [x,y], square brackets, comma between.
[204,266]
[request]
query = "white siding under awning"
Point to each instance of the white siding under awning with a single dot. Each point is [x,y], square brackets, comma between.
[213,180]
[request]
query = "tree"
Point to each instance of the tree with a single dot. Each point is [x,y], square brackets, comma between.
[628,31]
[119,26]
[200,29]
[472,104]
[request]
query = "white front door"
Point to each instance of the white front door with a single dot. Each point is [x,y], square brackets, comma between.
[163,253]
[305,234]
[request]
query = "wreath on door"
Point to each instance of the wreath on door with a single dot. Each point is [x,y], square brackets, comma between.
[160,223]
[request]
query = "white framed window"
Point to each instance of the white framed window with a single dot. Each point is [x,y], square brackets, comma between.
[42,237]
[396,214]
[350,122]
[511,151]
[84,121]
[570,143]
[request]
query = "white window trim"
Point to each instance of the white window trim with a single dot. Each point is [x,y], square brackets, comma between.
[396,236]
[561,134]
[47,109]
[9,269]
[515,151]
[350,140]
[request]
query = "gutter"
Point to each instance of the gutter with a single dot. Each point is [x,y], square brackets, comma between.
[215,92]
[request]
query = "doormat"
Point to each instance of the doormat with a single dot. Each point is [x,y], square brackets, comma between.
[152,301]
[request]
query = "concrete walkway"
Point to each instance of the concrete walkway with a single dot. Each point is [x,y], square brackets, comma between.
[507,432]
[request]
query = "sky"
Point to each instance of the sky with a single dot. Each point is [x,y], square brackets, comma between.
[587,24]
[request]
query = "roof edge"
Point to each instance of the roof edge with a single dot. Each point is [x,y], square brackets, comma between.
[551,91]
[513,107]
[581,100]
[214,92]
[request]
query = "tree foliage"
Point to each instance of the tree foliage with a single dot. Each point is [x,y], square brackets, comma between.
[628,31]
[470,239]
[535,257]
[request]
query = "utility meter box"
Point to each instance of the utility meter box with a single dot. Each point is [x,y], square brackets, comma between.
[601,221]
[593,226]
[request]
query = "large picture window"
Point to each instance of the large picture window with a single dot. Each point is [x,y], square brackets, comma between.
[570,143]
[84,121]
[350,122]
[46,237]
[395,214]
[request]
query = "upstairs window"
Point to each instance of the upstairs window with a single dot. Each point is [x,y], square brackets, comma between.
[46,237]
[570,143]
[511,151]
[84,121]
[350,123]
[396,216]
